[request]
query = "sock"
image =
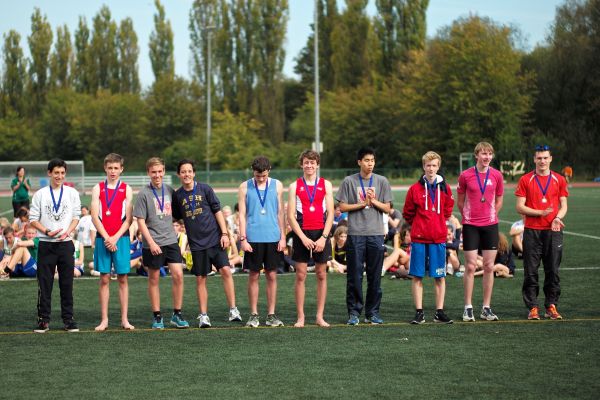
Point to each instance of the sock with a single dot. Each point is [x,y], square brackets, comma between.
[484,306]
[177,311]
[157,314]
[419,310]
[468,306]
[439,310]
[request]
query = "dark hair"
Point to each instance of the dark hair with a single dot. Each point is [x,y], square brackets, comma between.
[20,167]
[84,206]
[22,212]
[543,147]
[364,151]
[7,230]
[310,155]
[186,161]
[261,164]
[56,163]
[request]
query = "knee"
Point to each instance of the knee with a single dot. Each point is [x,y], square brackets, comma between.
[321,276]
[225,272]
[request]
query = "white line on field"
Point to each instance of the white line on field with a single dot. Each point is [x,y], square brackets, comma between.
[565,232]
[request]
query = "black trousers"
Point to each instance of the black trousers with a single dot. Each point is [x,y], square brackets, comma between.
[541,246]
[367,251]
[57,255]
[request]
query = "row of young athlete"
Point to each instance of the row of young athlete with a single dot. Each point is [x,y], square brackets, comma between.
[365,196]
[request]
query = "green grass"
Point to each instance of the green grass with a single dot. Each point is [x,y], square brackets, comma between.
[512,358]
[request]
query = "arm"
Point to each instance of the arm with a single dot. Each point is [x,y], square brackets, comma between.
[460,201]
[280,217]
[372,200]
[242,215]
[498,204]
[531,212]
[27,184]
[112,241]
[557,223]
[291,214]
[94,211]
[223,227]
[409,211]
[75,214]
[16,186]
[79,261]
[154,248]
[25,243]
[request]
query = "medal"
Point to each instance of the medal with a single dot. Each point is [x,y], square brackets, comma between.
[431,189]
[109,202]
[482,187]
[311,197]
[311,208]
[544,190]
[55,205]
[161,205]
[544,200]
[433,208]
[262,200]
[193,217]
[161,216]
[364,192]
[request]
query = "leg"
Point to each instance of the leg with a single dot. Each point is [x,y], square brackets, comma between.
[440,292]
[228,286]
[202,294]
[20,256]
[417,292]
[552,257]
[355,258]
[300,290]
[271,290]
[321,272]
[103,296]
[65,265]
[153,289]
[488,276]
[502,271]
[470,267]
[177,282]
[374,262]
[253,291]
[532,254]
[124,300]
[45,276]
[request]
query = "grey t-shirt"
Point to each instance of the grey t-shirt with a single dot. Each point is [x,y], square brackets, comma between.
[147,207]
[367,221]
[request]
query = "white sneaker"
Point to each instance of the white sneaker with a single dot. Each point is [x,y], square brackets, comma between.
[234,315]
[94,273]
[449,269]
[204,321]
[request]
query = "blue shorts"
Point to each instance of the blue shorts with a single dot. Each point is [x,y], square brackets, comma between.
[429,257]
[29,269]
[79,268]
[103,259]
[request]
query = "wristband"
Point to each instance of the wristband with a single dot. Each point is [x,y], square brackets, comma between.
[325,236]
[47,231]
[242,238]
[558,218]
[224,234]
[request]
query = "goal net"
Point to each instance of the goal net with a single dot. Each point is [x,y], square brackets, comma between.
[37,173]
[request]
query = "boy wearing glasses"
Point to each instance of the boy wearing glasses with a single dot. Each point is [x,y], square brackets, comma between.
[542,199]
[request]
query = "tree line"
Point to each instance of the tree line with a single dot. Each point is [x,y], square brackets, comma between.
[383,83]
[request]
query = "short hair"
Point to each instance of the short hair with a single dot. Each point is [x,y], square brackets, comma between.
[114,158]
[56,163]
[310,155]
[186,161]
[8,230]
[482,146]
[152,161]
[261,164]
[30,227]
[84,206]
[430,156]
[226,208]
[22,212]
[364,151]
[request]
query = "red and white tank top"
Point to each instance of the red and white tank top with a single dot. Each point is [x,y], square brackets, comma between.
[113,217]
[309,215]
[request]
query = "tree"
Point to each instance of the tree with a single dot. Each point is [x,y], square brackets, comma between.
[61,60]
[103,52]
[84,69]
[40,42]
[13,80]
[129,81]
[161,45]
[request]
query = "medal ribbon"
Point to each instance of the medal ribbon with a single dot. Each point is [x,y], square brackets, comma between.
[193,202]
[311,197]
[545,189]
[161,205]
[55,205]
[487,176]
[112,198]
[363,186]
[262,200]
[431,189]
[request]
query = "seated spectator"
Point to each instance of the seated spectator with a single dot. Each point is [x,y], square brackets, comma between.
[394,221]
[338,216]
[405,242]
[338,251]
[235,258]
[23,261]
[20,187]
[233,220]
[78,255]
[504,266]
[516,235]
[8,243]
[84,227]
[21,222]
[453,266]
[398,261]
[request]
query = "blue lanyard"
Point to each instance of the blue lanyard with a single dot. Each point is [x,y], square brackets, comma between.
[161,205]
[545,189]
[431,188]
[363,186]
[482,187]
[311,196]
[55,205]
[193,202]
[262,200]
[112,198]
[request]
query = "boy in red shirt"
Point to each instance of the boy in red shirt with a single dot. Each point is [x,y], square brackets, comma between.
[428,205]
[542,198]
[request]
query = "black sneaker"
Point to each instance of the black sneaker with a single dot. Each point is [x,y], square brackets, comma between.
[441,317]
[42,327]
[71,326]
[419,318]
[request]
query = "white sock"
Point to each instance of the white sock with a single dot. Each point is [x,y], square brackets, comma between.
[468,306]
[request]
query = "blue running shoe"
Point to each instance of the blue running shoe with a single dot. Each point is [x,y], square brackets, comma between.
[179,322]
[374,319]
[157,323]
[352,320]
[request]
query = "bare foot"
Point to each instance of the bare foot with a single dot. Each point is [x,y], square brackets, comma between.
[127,326]
[102,327]
[322,323]
[299,323]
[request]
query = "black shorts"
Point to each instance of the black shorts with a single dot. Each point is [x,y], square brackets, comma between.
[303,255]
[264,255]
[480,237]
[170,255]
[205,259]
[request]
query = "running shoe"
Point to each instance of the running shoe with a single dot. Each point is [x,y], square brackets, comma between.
[204,321]
[441,317]
[534,313]
[272,320]
[179,322]
[419,318]
[487,314]
[468,315]
[552,313]
[352,320]
[234,315]
[253,321]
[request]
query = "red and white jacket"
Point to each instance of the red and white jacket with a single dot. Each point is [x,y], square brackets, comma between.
[426,215]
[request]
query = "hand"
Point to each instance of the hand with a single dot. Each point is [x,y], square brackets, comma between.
[245,246]
[224,241]
[370,193]
[557,225]
[63,237]
[546,211]
[111,244]
[281,244]
[155,249]
[54,233]
[309,244]
[320,244]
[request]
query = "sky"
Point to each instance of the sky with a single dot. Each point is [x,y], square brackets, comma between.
[532,17]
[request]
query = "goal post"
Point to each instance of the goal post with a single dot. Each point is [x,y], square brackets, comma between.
[37,173]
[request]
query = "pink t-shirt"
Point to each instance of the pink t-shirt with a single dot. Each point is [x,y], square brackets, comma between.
[476,212]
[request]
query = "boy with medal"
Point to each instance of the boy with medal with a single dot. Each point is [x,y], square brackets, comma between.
[427,207]
[480,194]
[55,212]
[542,198]
[365,196]
[199,208]
[310,215]
[154,217]
[262,235]
[111,210]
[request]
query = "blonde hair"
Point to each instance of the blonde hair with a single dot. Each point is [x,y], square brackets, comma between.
[339,231]
[502,243]
[430,156]
[154,161]
[481,146]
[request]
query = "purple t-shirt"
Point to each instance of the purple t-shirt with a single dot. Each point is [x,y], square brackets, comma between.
[476,212]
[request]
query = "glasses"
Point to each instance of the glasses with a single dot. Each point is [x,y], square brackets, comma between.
[542,147]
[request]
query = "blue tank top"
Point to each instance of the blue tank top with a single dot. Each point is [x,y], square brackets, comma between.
[262,228]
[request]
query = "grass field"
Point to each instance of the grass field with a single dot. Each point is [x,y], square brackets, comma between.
[512,358]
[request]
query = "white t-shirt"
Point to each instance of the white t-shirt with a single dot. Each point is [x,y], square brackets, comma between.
[83,230]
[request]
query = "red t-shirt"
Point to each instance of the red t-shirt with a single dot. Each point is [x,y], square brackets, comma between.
[114,219]
[307,219]
[529,188]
